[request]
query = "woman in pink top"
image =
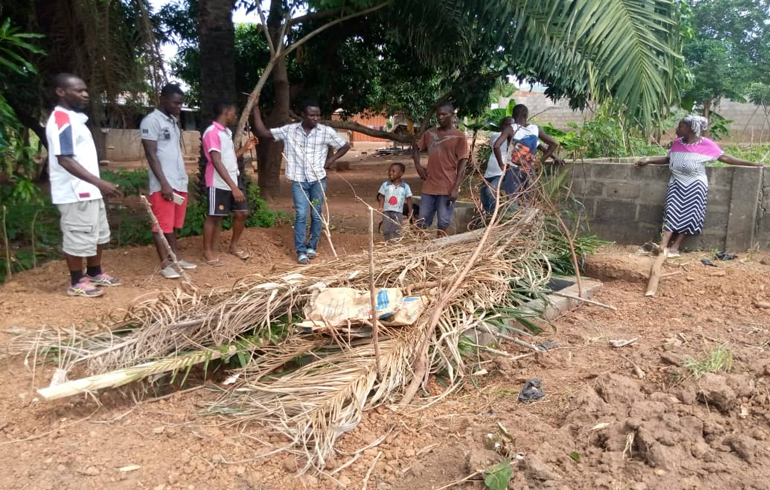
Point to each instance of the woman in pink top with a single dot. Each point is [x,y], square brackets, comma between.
[688,187]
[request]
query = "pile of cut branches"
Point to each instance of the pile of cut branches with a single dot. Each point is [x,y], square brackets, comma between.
[314,387]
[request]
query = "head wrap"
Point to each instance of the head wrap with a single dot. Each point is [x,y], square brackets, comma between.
[698,124]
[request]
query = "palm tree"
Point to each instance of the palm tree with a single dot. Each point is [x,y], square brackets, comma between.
[597,50]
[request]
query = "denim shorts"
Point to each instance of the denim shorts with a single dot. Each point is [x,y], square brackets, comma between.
[431,205]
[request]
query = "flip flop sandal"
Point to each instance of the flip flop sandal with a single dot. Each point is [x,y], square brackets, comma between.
[241,254]
[311,254]
[303,259]
[213,263]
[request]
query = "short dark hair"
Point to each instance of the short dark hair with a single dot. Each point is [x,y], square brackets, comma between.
[308,103]
[221,106]
[507,120]
[447,105]
[62,80]
[399,165]
[519,110]
[171,89]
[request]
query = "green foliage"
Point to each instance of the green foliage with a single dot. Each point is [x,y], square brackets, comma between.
[728,51]
[717,360]
[130,182]
[753,153]
[498,476]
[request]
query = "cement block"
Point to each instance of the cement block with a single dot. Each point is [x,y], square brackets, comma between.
[622,190]
[719,196]
[615,211]
[652,192]
[586,187]
[747,182]
[651,213]
[656,173]
[720,176]
[612,171]
[716,221]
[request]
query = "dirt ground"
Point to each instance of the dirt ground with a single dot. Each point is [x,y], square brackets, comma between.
[613,418]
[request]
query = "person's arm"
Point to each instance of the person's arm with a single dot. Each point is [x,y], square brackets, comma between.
[380,202]
[259,127]
[731,160]
[460,177]
[409,207]
[150,128]
[652,161]
[150,151]
[505,135]
[216,160]
[336,156]
[71,165]
[416,147]
[250,143]
[551,142]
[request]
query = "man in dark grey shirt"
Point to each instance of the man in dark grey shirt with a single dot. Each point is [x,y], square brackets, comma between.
[161,138]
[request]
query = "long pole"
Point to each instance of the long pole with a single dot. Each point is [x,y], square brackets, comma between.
[373,295]
[163,240]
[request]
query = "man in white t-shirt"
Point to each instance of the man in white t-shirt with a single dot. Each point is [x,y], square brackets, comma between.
[161,139]
[76,188]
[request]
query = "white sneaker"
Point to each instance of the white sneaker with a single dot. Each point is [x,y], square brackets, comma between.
[170,273]
[187,265]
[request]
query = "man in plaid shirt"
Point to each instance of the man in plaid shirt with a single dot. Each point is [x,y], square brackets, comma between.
[306,145]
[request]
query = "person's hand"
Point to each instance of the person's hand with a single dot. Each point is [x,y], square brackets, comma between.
[250,143]
[108,189]
[167,192]
[422,172]
[238,195]
[559,161]
[379,208]
[641,163]
[328,164]
[454,195]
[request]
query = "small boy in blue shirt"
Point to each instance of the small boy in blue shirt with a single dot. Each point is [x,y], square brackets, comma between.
[392,196]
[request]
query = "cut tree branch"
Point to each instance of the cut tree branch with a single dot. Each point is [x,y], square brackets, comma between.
[376,133]
[280,51]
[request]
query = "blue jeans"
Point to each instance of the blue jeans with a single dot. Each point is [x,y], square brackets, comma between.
[432,205]
[308,198]
[511,185]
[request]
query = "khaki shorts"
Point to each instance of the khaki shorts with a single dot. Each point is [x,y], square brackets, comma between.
[84,226]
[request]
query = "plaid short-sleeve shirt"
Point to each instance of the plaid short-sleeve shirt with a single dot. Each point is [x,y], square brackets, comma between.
[306,152]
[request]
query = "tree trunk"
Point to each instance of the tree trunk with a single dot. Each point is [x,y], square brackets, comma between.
[270,154]
[217,51]
[707,115]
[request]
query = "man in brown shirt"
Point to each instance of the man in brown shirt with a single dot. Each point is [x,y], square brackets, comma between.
[447,158]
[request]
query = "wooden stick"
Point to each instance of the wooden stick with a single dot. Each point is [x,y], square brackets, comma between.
[652,285]
[34,253]
[584,300]
[9,273]
[373,296]
[669,274]
[371,468]
[163,240]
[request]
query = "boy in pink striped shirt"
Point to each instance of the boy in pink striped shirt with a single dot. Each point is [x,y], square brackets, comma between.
[224,185]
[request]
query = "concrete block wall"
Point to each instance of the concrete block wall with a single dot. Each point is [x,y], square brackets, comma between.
[126,145]
[626,205]
[749,122]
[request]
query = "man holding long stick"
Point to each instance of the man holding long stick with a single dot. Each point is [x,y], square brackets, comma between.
[161,139]
[307,160]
